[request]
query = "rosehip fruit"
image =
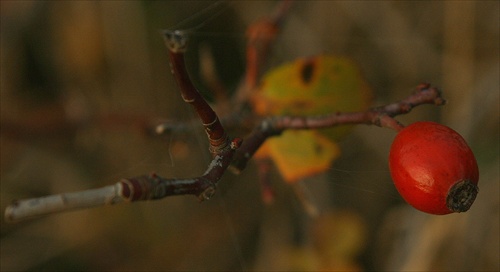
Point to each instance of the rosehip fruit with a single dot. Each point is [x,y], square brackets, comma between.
[433,168]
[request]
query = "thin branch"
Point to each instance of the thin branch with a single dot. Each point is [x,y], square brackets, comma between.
[379,116]
[27,208]
[260,36]
[215,85]
[264,176]
[146,187]
[176,42]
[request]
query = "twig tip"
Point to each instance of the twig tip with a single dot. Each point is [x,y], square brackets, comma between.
[176,40]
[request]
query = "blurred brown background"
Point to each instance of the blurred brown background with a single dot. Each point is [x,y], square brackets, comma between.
[65,65]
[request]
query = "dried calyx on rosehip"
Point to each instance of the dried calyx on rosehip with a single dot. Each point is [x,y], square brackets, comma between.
[433,168]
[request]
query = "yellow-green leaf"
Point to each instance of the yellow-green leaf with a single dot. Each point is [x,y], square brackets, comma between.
[314,86]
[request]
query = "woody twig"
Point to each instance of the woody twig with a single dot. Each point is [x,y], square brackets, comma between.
[380,116]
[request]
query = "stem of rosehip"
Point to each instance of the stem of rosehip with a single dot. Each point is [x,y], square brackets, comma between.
[399,128]
[389,122]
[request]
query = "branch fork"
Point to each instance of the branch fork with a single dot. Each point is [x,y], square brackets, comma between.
[151,187]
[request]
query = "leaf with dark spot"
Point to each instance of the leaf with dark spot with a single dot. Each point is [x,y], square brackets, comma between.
[307,71]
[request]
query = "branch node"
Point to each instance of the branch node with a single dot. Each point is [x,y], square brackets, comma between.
[236,143]
[268,126]
[137,188]
[406,108]
[207,194]
[218,146]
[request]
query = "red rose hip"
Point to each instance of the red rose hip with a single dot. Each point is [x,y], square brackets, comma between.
[433,168]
